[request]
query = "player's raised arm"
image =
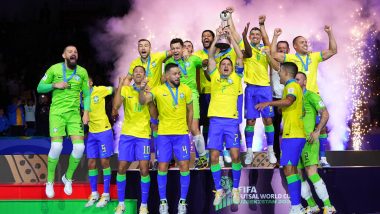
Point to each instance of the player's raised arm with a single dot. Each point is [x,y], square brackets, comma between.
[264,33]
[272,62]
[239,54]
[231,24]
[333,49]
[144,97]
[118,99]
[211,53]
[247,52]
[279,57]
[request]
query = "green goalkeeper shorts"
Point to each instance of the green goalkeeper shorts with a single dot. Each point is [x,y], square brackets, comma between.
[70,121]
[310,155]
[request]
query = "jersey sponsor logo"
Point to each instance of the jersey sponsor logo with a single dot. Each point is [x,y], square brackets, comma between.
[45,77]
[96,99]
[290,90]
[130,97]
[164,95]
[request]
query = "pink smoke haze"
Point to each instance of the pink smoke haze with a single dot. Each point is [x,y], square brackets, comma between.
[161,20]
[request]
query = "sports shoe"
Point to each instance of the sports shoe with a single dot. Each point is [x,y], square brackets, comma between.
[312,210]
[329,210]
[323,162]
[120,209]
[68,185]
[164,208]
[143,210]
[297,210]
[227,156]
[219,195]
[201,163]
[235,196]
[182,207]
[221,162]
[49,189]
[272,157]
[94,197]
[103,200]
[248,158]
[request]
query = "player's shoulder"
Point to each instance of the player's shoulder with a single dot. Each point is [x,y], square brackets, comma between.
[56,67]
[183,87]
[81,70]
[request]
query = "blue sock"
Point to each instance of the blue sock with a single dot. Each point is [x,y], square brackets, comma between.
[217,175]
[249,132]
[294,187]
[196,153]
[322,145]
[121,183]
[107,179]
[185,182]
[93,177]
[269,133]
[145,185]
[236,172]
[162,178]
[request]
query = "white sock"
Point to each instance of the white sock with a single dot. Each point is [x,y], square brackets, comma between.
[249,150]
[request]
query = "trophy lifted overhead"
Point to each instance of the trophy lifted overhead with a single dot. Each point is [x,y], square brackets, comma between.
[223,42]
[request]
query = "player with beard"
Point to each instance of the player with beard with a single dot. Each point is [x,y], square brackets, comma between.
[188,67]
[66,80]
[307,63]
[174,104]
[152,63]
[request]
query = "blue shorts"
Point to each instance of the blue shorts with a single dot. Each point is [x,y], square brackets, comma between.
[133,148]
[100,145]
[291,150]
[204,102]
[240,108]
[223,130]
[254,95]
[167,144]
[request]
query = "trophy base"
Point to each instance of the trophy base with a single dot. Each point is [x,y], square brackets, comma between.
[222,46]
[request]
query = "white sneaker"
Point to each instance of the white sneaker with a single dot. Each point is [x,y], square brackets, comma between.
[49,189]
[323,162]
[103,200]
[164,208]
[272,157]
[120,209]
[182,208]
[143,210]
[227,156]
[297,210]
[329,210]
[248,158]
[312,210]
[68,185]
[94,197]
[221,162]
[235,196]
[219,195]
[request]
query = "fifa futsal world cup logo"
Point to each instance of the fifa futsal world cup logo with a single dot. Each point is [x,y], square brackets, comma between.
[226,183]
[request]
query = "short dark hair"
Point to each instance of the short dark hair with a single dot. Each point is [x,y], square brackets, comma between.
[226,58]
[255,28]
[295,39]
[210,31]
[299,72]
[291,67]
[283,41]
[144,40]
[176,40]
[170,66]
[139,66]
[71,45]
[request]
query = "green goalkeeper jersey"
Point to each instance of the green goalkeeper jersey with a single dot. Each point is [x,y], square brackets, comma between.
[312,103]
[66,100]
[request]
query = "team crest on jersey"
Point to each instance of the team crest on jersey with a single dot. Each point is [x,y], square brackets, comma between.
[154,64]
[76,77]
[45,77]
[96,99]
[182,95]
[187,64]
[55,130]
[229,81]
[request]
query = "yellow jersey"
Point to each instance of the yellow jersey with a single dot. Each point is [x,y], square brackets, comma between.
[172,108]
[307,64]
[153,67]
[98,118]
[136,117]
[292,115]
[224,95]
[256,67]
[204,83]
